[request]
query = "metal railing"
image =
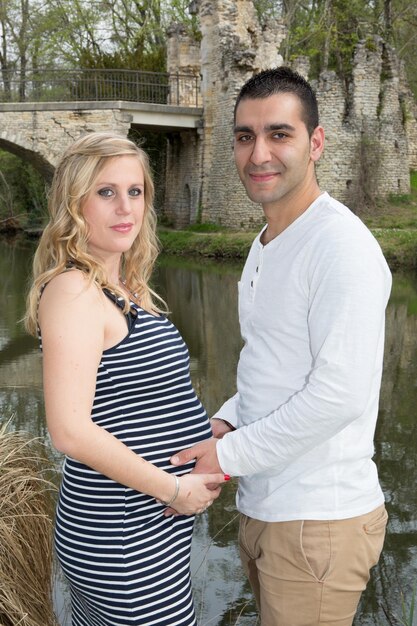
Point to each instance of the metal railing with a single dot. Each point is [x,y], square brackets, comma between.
[62,85]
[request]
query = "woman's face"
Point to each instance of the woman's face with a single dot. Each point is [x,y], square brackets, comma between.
[114,208]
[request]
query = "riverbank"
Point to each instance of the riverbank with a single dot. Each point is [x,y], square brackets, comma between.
[393,223]
[398,245]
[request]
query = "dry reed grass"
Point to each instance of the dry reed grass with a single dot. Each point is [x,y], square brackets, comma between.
[26,520]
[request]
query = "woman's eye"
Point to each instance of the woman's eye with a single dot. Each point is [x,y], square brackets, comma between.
[105,192]
[135,192]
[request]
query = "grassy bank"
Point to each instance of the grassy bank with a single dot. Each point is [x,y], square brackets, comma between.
[225,244]
[399,245]
[393,223]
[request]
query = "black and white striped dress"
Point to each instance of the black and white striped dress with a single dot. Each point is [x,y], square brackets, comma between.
[127,564]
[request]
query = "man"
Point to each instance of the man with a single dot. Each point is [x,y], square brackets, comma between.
[312,304]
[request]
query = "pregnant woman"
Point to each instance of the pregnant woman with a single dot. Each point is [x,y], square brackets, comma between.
[118,395]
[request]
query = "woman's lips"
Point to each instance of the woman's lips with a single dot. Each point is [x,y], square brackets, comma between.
[122,228]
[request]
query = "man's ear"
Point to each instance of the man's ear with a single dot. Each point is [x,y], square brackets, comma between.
[317,143]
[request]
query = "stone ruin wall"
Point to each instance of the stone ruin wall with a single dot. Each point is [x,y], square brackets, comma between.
[410,120]
[371,131]
[183,59]
[182,203]
[184,167]
[367,144]
[233,47]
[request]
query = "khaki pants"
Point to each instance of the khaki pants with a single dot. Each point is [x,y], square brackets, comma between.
[310,573]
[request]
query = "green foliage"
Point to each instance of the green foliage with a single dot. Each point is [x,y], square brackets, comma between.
[155,145]
[399,246]
[370,44]
[80,33]
[327,31]
[205,228]
[393,214]
[215,245]
[267,9]
[27,187]
[408,612]
[153,60]
[398,199]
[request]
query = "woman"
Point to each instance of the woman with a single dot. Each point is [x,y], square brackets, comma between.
[118,395]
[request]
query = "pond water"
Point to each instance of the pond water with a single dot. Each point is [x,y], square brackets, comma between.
[203,301]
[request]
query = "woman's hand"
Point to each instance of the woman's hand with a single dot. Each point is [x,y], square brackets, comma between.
[196,493]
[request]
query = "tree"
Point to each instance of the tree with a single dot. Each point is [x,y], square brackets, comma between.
[128,34]
[327,31]
[23,37]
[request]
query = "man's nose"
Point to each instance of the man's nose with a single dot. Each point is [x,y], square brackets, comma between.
[261,152]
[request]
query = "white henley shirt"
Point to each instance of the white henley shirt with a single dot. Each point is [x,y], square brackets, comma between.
[312,311]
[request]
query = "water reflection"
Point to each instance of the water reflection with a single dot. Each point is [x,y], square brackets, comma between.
[203,301]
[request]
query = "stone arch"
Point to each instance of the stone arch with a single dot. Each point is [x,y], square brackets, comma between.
[39,133]
[16,145]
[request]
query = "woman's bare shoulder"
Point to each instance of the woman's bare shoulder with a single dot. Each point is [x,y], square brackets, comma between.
[71,290]
[73,282]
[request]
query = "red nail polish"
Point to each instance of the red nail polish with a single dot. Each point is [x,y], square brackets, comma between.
[226,477]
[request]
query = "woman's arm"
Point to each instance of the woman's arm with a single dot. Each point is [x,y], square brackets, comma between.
[72,321]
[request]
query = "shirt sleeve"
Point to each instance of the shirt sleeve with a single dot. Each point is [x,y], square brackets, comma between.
[348,286]
[228,411]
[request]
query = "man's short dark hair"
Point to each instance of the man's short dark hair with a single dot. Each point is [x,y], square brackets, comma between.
[283,80]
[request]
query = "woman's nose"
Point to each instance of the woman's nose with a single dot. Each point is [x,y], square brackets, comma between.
[123,204]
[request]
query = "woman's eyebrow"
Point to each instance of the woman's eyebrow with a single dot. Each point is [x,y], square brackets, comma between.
[138,183]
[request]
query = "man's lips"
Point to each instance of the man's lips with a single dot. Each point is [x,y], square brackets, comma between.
[262,177]
[122,228]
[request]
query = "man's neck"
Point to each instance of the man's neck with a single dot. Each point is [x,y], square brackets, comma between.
[283,214]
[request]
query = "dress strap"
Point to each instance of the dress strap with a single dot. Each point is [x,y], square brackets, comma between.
[131,315]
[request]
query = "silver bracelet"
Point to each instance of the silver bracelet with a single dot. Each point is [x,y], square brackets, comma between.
[177,489]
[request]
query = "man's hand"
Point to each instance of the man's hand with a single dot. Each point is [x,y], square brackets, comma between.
[206,463]
[219,427]
[205,455]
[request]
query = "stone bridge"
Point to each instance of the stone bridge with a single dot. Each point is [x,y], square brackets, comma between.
[40,132]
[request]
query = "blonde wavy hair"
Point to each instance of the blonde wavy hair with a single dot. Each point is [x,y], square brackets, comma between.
[65,238]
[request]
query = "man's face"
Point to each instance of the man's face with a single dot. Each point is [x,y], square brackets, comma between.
[274,155]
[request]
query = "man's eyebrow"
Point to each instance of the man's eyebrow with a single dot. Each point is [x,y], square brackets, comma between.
[248,129]
[280,127]
[242,129]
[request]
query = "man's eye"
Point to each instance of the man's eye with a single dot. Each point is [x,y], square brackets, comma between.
[279,136]
[244,138]
[105,192]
